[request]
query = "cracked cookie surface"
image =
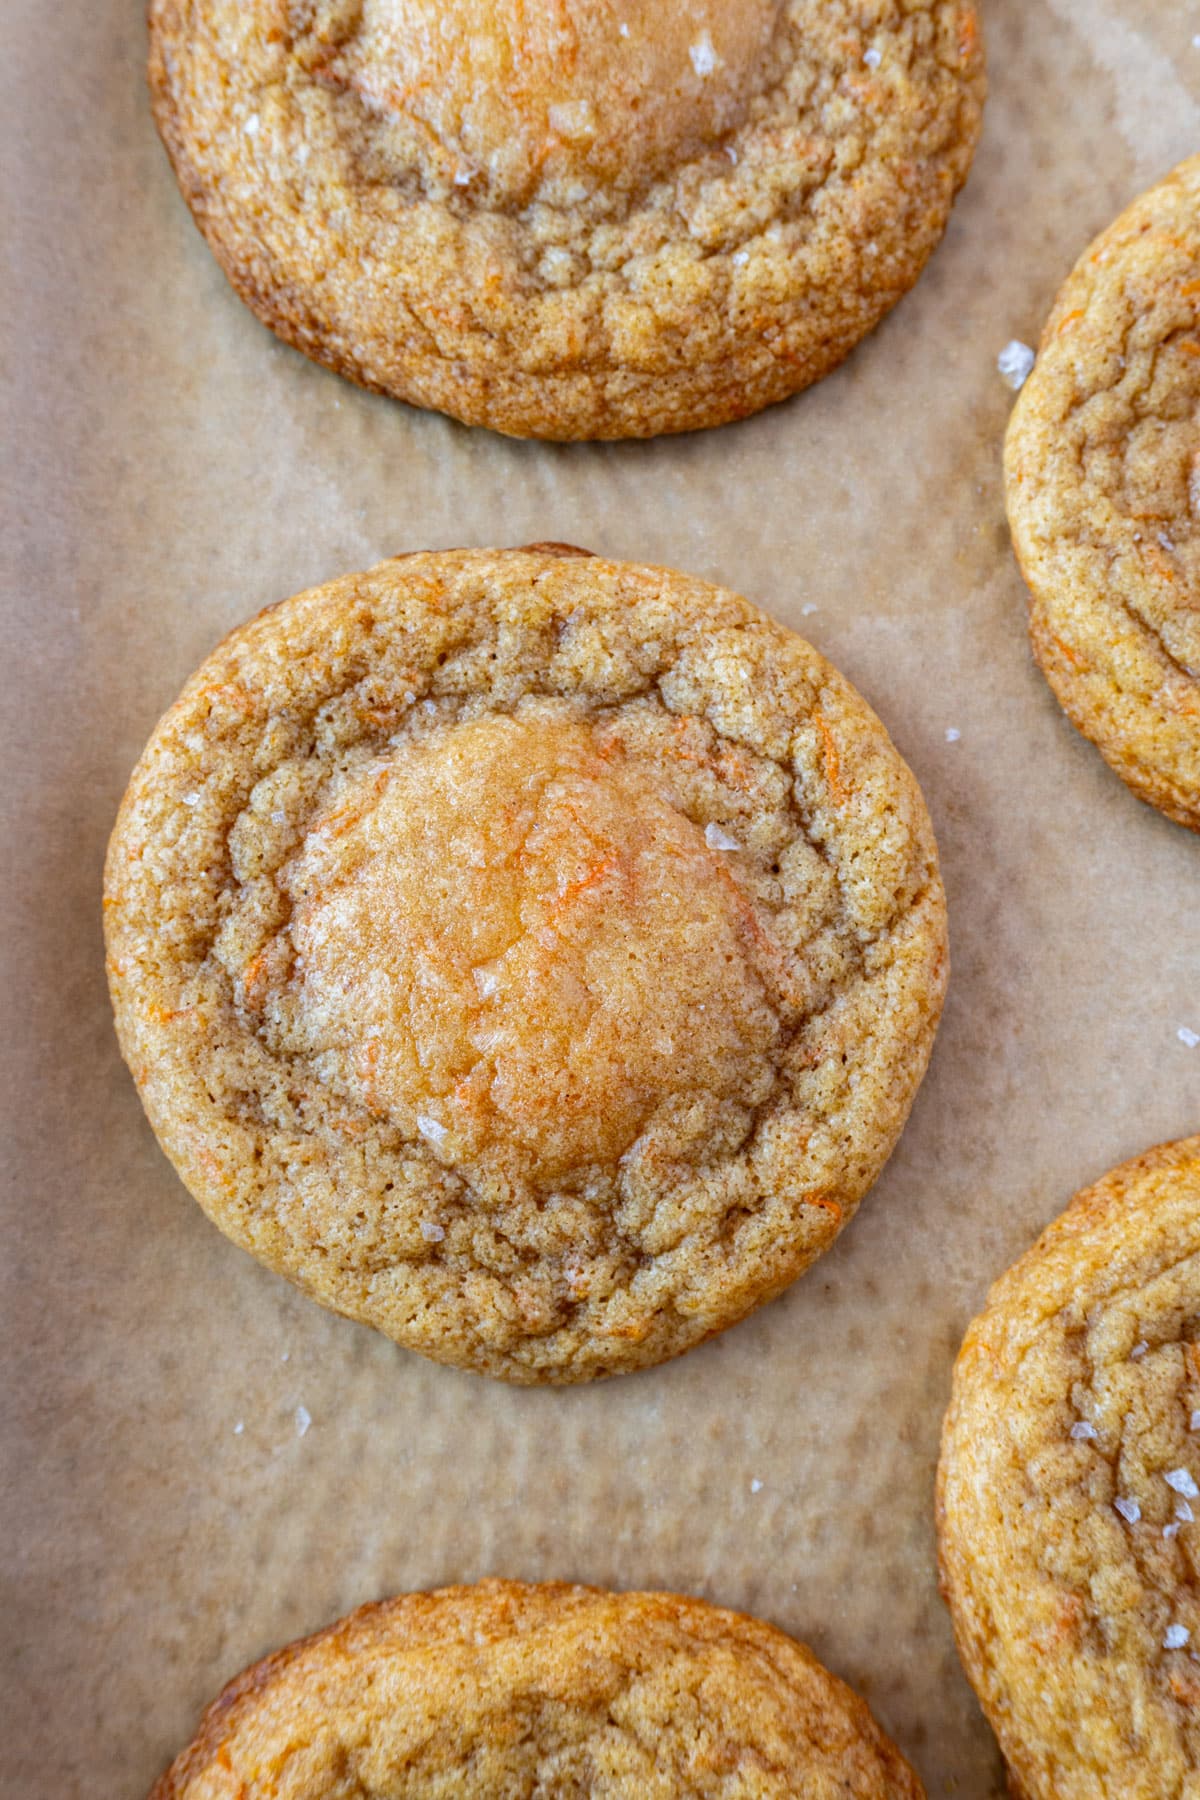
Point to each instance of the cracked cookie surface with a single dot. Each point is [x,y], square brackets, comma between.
[571,222]
[532,956]
[503,1689]
[1102,467]
[1069,1494]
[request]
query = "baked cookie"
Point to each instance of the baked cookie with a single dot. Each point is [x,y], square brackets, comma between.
[1102,468]
[608,219]
[1069,1494]
[503,1689]
[533,956]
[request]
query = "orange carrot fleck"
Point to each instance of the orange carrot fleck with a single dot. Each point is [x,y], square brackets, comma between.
[830,759]
[825,1204]
[1071,319]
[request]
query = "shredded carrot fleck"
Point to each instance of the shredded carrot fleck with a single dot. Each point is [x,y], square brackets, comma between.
[596,873]
[1189,288]
[1189,346]
[1065,651]
[1071,319]
[1159,562]
[968,35]
[254,977]
[825,1204]
[830,759]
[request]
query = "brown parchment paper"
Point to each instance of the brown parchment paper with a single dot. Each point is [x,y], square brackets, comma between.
[170,468]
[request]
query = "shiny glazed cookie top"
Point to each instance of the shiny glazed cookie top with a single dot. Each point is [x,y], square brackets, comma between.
[531,955]
[514,100]
[511,936]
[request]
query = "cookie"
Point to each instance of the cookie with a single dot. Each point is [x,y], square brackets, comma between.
[584,221]
[533,956]
[1102,472]
[550,1690]
[1069,1494]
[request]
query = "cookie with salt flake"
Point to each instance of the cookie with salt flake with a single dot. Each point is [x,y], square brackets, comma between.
[1069,1490]
[1102,474]
[506,1689]
[533,956]
[571,221]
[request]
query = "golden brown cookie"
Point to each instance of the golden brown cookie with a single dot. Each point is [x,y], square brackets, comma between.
[1102,468]
[555,1691]
[608,219]
[1069,1494]
[533,956]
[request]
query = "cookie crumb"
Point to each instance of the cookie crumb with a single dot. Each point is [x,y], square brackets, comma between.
[1181,1481]
[1015,362]
[1176,1637]
[703,55]
[1128,1509]
[716,839]
[303,1420]
[1187,1036]
[1081,1429]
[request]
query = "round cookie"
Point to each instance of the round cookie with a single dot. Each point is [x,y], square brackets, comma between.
[550,1690]
[1069,1494]
[595,221]
[533,956]
[1102,468]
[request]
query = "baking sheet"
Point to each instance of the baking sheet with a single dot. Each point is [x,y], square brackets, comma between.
[170,468]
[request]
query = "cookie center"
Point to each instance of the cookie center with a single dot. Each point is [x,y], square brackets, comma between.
[554,98]
[508,938]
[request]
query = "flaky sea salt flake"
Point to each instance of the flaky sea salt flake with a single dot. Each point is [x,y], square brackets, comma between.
[1184,1513]
[239,1428]
[1129,1509]
[1187,1036]
[756,1486]
[303,1420]
[953,734]
[703,55]
[872,57]
[1015,362]
[432,1130]
[1176,1637]
[1082,1429]
[1139,1350]
[1181,1481]
[432,1232]
[716,839]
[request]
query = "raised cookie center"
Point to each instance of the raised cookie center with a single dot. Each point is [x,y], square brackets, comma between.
[556,97]
[508,937]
